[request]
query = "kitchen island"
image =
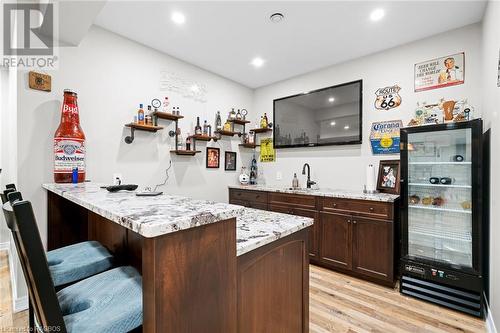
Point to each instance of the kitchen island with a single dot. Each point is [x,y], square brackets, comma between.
[206,266]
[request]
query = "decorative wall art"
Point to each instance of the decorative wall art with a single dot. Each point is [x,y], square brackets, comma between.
[441,72]
[384,137]
[230,161]
[39,81]
[388,98]
[443,111]
[213,158]
[174,82]
[267,153]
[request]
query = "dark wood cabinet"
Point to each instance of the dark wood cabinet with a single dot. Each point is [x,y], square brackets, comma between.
[350,235]
[372,245]
[336,249]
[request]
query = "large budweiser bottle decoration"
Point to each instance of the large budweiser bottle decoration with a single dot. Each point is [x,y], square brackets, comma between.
[69,142]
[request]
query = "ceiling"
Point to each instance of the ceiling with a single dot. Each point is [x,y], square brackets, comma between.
[223,37]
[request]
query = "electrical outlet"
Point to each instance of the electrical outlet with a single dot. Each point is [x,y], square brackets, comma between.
[279,175]
[117,178]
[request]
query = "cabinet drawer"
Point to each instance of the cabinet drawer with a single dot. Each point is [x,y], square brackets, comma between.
[249,204]
[293,200]
[358,207]
[248,195]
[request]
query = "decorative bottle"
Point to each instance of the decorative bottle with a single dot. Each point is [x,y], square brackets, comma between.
[69,142]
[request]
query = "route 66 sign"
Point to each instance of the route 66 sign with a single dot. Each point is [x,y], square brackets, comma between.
[388,98]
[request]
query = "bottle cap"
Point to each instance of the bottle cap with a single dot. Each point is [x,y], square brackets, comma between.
[70,91]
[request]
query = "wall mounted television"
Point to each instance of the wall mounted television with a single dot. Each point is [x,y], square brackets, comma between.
[327,116]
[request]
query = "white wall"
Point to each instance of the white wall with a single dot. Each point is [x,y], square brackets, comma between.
[491,103]
[341,166]
[112,75]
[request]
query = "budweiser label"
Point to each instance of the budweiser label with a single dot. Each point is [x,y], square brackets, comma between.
[70,109]
[69,153]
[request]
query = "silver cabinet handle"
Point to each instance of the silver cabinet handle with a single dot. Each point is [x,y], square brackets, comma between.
[354,222]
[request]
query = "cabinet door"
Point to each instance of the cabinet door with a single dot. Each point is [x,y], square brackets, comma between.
[335,243]
[372,253]
[313,231]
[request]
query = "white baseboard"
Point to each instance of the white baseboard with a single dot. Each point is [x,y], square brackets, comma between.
[490,324]
[5,246]
[21,304]
[18,303]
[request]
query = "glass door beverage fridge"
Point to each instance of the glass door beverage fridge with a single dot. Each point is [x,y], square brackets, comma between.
[441,220]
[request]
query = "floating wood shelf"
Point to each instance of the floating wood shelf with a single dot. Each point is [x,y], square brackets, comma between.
[185,152]
[261,130]
[165,115]
[248,145]
[228,133]
[200,137]
[140,127]
[239,121]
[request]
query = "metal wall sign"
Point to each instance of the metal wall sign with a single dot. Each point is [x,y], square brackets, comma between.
[388,98]
[384,137]
[441,72]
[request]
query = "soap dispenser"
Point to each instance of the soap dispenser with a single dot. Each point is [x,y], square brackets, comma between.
[295,181]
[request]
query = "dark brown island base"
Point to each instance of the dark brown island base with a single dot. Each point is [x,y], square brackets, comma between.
[353,233]
[206,267]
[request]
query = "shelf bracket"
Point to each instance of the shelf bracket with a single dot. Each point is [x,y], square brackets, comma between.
[129,139]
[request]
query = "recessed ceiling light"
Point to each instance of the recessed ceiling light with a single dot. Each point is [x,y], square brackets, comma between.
[178,18]
[333,123]
[331,99]
[276,17]
[346,127]
[377,14]
[257,62]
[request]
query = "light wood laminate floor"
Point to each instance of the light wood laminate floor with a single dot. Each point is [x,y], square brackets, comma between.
[338,303]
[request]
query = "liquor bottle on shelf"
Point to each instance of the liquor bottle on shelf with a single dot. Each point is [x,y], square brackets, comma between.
[238,115]
[188,142]
[232,114]
[165,105]
[197,129]
[263,121]
[227,126]
[69,142]
[205,128]
[218,121]
[253,171]
[179,140]
[155,119]
[209,130]
[140,115]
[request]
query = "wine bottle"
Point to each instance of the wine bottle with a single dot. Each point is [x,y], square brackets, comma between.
[197,129]
[188,142]
[205,128]
[218,122]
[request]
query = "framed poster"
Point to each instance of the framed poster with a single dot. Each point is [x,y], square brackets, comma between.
[388,177]
[384,137]
[267,150]
[213,158]
[230,161]
[441,72]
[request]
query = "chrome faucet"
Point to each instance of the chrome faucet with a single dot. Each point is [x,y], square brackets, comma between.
[309,181]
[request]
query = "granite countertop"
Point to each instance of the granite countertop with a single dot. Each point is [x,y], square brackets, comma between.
[322,192]
[154,216]
[148,216]
[255,228]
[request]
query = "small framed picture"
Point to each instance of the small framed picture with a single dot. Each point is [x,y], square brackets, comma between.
[213,158]
[230,161]
[388,176]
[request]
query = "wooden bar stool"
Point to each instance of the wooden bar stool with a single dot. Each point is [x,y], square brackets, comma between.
[109,302]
